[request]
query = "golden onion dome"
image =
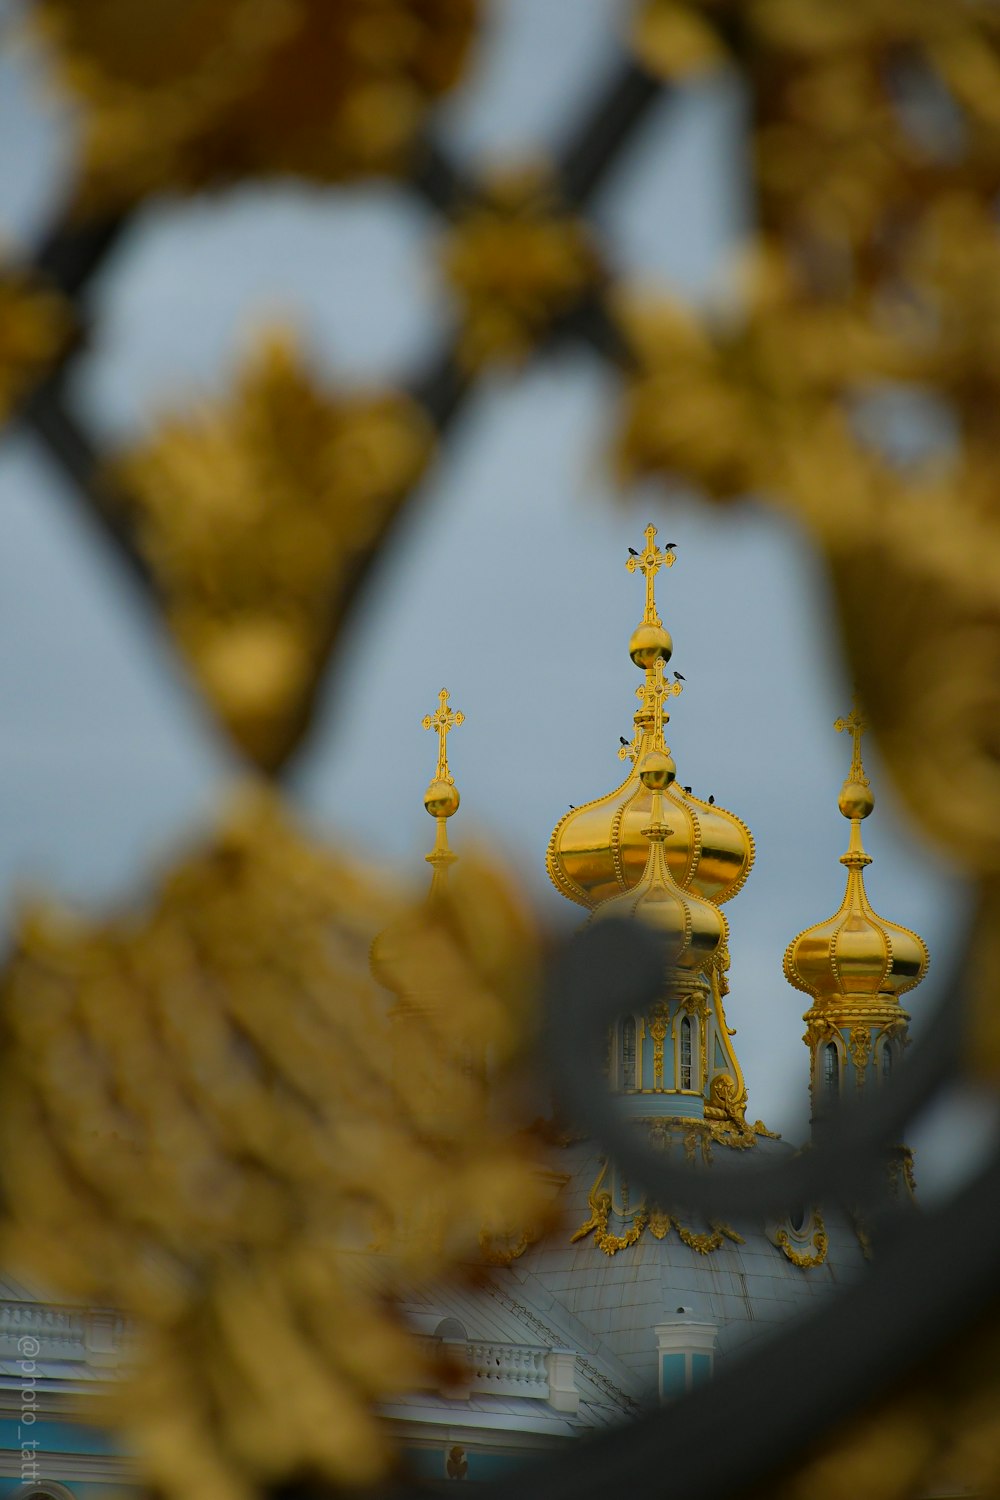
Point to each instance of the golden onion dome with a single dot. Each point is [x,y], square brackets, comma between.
[856,955]
[695,929]
[599,849]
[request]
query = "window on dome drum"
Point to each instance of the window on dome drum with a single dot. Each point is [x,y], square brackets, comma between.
[886,1059]
[628,1053]
[831,1068]
[686,1053]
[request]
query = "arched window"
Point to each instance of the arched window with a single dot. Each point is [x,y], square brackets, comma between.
[628,1053]
[686,1053]
[831,1068]
[886,1059]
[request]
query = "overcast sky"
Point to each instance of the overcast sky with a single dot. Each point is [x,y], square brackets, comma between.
[506,583]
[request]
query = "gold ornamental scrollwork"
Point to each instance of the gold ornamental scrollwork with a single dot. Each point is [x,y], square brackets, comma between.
[659,1224]
[704,1244]
[658,1030]
[805,1258]
[902,1179]
[859,1045]
[504,1250]
[656,1220]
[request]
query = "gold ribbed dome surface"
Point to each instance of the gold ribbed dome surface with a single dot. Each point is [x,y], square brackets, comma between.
[856,955]
[694,928]
[599,849]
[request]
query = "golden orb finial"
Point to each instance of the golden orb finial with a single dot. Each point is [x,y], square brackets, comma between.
[657,770]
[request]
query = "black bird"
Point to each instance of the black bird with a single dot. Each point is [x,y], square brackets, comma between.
[670,547]
[688,790]
[679,676]
[711,801]
[622,740]
[633,552]
[572,807]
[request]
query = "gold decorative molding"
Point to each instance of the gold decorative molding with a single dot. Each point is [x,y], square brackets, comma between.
[860,1046]
[656,1220]
[504,1250]
[805,1258]
[902,1179]
[658,1030]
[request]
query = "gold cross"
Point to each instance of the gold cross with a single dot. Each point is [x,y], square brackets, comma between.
[649,563]
[857,724]
[652,715]
[443,720]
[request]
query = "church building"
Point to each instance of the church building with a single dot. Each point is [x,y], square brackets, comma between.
[632,1301]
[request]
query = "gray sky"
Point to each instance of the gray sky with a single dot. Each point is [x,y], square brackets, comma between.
[506,584]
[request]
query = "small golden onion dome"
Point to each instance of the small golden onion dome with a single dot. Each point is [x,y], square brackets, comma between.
[695,927]
[856,955]
[441,798]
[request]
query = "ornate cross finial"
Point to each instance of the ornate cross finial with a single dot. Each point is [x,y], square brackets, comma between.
[649,564]
[857,724]
[652,715]
[444,719]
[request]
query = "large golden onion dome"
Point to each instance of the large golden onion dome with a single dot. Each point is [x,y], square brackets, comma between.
[695,929]
[599,848]
[856,957]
